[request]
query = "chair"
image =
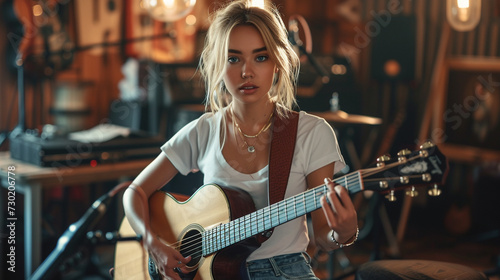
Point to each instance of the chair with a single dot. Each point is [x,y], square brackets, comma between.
[416,270]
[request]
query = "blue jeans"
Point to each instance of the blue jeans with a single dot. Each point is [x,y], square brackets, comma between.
[291,266]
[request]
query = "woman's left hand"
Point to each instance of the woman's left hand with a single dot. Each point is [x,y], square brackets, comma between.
[339,212]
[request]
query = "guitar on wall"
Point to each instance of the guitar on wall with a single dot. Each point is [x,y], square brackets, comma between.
[219,226]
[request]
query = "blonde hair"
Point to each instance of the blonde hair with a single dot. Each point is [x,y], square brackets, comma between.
[274,33]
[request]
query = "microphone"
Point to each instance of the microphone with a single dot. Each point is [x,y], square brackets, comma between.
[72,238]
[293,33]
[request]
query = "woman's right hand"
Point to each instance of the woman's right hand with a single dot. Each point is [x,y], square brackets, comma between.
[168,260]
[136,206]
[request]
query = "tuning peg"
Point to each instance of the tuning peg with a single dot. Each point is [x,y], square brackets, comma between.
[412,193]
[427,145]
[383,184]
[426,177]
[424,147]
[404,152]
[402,155]
[382,159]
[434,191]
[423,153]
[404,180]
[391,197]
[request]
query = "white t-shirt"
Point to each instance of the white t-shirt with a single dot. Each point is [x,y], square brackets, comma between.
[197,146]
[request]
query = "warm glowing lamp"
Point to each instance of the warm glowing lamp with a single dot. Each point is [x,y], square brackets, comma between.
[168,10]
[463,15]
[258,3]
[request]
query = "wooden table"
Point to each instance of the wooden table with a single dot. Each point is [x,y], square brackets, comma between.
[29,180]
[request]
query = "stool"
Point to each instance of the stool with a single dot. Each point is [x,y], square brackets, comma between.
[416,270]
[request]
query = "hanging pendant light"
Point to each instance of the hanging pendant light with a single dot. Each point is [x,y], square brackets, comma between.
[463,15]
[168,10]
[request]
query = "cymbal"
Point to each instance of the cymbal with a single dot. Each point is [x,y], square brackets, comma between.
[333,117]
[343,117]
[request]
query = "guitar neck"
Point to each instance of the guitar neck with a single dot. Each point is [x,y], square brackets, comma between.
[423,167]
[274,215]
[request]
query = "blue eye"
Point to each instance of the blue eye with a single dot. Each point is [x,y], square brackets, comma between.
[232,59]
[262,58]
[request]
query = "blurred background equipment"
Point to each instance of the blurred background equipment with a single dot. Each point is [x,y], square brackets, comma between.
[168,11]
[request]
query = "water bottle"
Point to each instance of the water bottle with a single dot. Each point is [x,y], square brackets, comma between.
[334,102]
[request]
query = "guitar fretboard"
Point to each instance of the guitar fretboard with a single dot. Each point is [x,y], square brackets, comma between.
[271,216]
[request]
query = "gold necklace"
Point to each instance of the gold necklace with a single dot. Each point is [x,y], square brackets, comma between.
[264,128]
[250,148]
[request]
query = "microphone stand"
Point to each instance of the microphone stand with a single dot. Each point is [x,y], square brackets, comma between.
[294,40]
[21,121]
[94,239]
[71,239]
[75,235]
[325,78]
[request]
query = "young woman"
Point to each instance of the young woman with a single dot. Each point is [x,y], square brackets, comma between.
[250,71]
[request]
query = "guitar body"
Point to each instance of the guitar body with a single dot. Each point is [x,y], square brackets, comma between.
[176,221]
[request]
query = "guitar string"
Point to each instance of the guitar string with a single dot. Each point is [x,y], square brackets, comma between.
[273,212]
[222,244]
[374,170]
[197,253]
[195,238]
[251,218]
[393,178]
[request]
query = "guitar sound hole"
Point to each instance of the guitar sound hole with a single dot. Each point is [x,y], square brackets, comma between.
[191,246]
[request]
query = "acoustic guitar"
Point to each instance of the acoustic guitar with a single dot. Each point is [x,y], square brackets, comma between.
[219,226]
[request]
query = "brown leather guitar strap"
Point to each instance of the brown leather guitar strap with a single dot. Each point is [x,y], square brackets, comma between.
[280,159]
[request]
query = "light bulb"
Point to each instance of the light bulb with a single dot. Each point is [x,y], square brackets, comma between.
[463,15]
[258,3]
[168,10]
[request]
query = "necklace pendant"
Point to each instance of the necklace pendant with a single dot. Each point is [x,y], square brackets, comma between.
[251,149]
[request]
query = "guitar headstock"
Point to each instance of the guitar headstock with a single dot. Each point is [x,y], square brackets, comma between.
[427,166]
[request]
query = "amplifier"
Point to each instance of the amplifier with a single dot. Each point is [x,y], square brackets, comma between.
[65,152]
